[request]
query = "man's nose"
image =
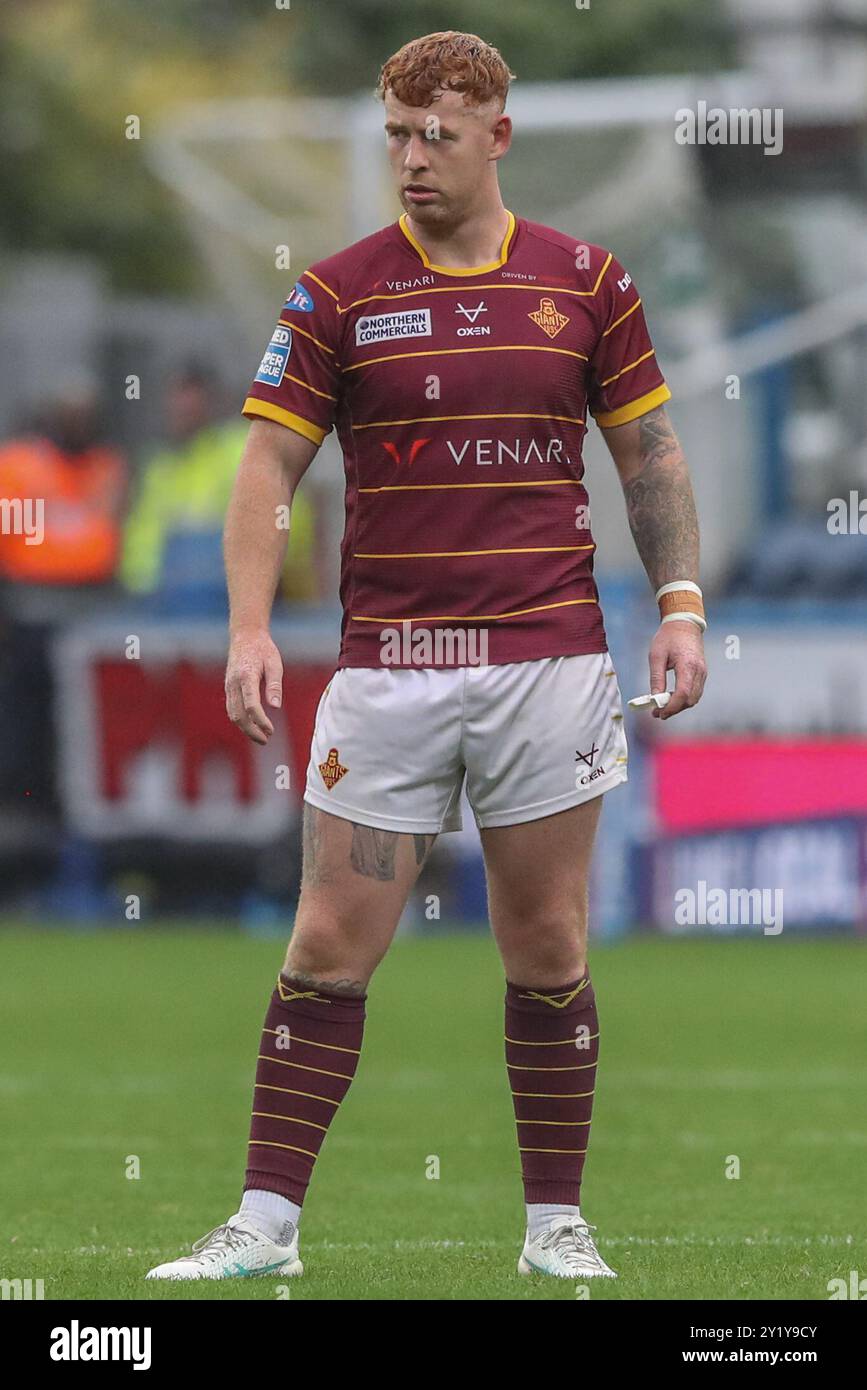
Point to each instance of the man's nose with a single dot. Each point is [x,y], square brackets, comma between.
[417,153]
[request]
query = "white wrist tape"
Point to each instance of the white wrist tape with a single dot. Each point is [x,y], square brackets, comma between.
[678,584]
[685,618]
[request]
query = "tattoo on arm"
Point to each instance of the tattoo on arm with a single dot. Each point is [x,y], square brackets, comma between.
[372,852]
[660,505]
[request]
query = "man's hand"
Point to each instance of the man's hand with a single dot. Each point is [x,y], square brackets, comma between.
[678,647]
[253,658]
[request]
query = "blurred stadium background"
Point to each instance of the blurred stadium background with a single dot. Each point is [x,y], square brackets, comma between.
[155,159]
[154,164]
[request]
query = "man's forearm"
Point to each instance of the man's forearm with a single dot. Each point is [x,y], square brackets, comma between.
[660,504]
[254,541]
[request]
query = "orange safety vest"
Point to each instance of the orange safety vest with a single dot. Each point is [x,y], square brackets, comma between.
[59,515]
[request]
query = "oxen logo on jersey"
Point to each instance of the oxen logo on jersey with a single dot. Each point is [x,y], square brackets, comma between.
[273,364]
[332,769]
[549,318]
[377,328]
[478,330]
[415,449]
[300,299]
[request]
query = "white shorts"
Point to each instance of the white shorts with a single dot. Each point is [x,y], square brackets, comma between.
[391,747]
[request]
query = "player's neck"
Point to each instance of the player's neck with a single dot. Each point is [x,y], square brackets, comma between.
[477,241]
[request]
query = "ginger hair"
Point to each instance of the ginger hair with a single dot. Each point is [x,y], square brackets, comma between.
[449,61]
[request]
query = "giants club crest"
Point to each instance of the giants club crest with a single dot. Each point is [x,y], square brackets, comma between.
[332,770]
[548,318]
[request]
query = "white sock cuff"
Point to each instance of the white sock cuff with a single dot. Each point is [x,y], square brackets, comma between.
[269,1210]
[541,1214]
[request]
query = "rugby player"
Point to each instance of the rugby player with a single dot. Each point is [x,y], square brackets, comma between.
[457,352]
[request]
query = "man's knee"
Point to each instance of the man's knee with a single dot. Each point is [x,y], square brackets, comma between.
[330,945]
[550,946]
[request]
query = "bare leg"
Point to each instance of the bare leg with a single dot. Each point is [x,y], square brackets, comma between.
[355,882]
[354,887]
[537,893]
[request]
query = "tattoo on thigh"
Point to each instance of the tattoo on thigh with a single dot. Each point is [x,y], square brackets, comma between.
[423,846]
[312,846]
[372,852]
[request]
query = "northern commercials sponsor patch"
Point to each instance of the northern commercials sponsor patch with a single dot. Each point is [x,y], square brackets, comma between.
[378,328]
[273,364]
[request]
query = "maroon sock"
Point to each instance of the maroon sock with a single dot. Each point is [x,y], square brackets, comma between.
[308,1055]
[552,1081]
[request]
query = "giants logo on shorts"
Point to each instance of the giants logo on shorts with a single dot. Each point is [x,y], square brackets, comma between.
[332,769]
[549,318]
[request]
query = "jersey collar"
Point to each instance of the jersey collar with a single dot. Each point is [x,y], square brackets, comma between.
[454,270]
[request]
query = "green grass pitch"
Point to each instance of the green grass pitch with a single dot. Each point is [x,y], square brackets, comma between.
[144,1044]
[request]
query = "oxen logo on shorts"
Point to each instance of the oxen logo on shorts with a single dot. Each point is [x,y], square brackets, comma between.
[587,757]
[549,318]
[332,770]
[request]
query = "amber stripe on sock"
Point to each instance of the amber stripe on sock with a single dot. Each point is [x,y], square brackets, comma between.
[552,1041]
[307,1058]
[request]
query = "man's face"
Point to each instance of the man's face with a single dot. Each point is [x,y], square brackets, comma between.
[442,155]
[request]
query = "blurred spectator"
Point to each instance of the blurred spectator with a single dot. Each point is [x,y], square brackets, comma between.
[63,493]
[62,496]
[185,486]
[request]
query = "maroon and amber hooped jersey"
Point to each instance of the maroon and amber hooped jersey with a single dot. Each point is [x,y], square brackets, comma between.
[460,399]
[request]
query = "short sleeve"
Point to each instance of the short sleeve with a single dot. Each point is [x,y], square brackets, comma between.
[298,377]
[624,379]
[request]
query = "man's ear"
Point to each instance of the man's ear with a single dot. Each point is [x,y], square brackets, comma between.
[502,134]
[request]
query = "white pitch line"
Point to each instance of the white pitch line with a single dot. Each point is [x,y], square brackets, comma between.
[382,1247]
